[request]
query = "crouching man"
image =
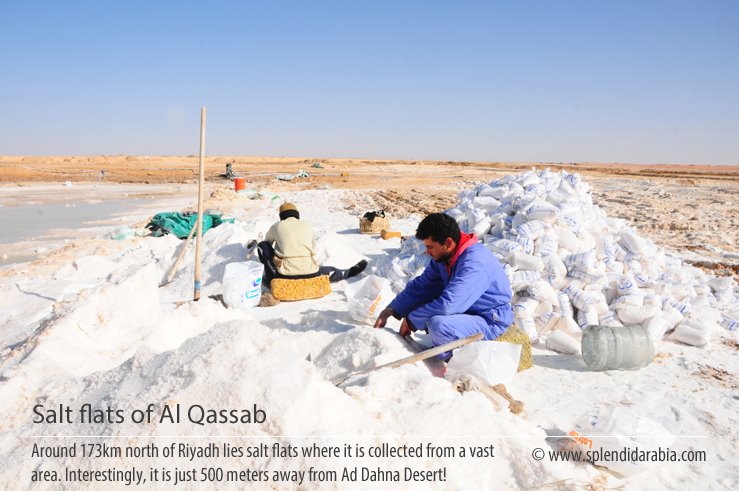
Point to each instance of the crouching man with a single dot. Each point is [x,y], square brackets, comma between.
[463,291]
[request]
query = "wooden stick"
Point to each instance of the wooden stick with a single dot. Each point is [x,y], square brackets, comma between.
[417,357]
[468,383]
[417,347]
[515,406]
[201,179]
[177,262]
[491,396]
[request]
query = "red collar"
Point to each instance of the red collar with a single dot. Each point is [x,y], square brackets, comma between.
[465,241]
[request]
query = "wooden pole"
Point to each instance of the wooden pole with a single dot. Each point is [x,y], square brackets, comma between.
[201,179]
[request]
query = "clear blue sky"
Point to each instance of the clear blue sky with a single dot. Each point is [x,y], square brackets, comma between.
[556,81]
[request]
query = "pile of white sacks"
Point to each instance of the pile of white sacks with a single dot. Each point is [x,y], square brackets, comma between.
[571,266]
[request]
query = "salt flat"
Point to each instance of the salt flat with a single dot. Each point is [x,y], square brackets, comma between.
[86,323]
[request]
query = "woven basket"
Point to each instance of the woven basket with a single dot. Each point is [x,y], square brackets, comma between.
[516,336]
[375,226]
[289,290]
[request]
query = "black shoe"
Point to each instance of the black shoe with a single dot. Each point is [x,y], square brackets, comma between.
[250,248]
[357,268]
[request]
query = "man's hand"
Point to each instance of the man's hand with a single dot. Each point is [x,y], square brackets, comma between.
[383,317]
[405,328]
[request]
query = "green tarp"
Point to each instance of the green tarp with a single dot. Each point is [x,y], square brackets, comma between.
[180,224]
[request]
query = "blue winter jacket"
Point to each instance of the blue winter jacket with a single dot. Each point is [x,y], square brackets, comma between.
[477,285]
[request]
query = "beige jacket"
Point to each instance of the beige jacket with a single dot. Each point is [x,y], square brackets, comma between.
[295,244]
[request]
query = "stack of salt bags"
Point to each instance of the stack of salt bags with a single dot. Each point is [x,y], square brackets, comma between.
[407,264]
[571,266]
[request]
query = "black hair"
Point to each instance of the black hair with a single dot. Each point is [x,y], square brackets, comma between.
[289,213]
[439,227]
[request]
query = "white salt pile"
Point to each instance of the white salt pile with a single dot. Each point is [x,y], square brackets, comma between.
[571,266]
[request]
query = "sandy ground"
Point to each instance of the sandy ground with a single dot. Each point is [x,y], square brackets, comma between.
[690,209]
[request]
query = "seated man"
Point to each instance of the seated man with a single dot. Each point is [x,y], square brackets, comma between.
[293,254]
[463,291]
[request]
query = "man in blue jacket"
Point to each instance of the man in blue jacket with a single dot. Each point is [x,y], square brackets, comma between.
[463,291]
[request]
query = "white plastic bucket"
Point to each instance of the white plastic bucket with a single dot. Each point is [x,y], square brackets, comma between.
[242,284]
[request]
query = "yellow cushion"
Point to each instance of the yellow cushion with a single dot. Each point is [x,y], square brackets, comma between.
[300,289]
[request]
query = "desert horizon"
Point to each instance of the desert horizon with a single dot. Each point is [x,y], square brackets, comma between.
[138,168]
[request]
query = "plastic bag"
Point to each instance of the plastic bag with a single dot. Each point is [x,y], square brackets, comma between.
[612,428]
[561,342]
[121,233]
[368,297]
[693,332]
[492,362]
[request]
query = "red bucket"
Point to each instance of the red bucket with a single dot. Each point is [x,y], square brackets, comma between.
[239,184]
